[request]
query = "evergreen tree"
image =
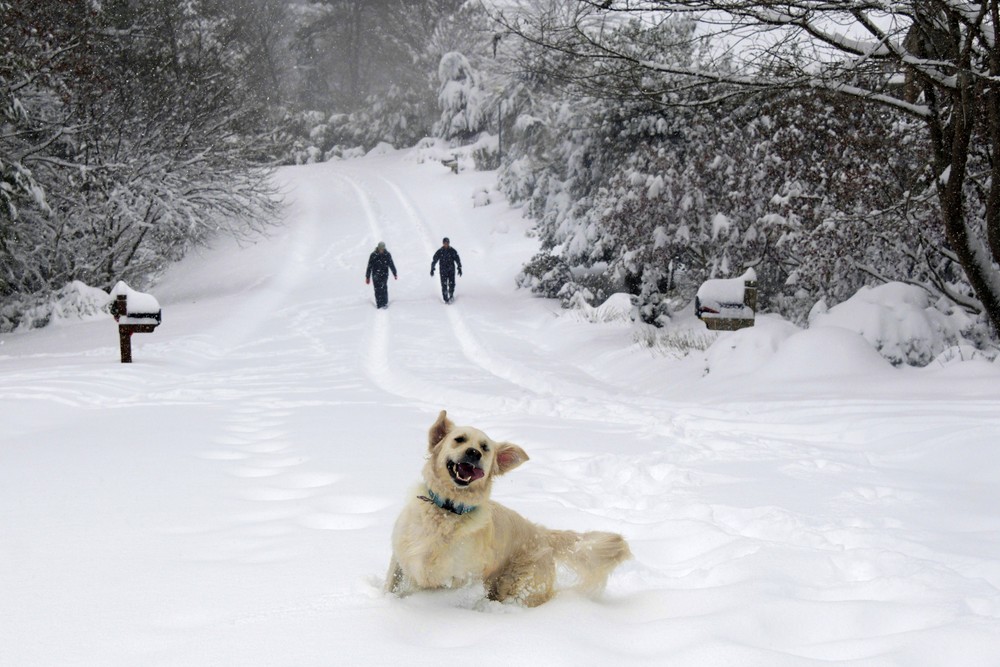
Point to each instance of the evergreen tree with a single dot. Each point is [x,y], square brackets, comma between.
[461,98]
[370,73]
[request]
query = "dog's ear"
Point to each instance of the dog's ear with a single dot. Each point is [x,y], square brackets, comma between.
[439,429]
[509,456]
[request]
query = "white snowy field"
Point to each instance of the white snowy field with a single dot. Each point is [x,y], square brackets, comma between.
[228,498]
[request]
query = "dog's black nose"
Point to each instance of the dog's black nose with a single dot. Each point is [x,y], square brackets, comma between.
[473,454]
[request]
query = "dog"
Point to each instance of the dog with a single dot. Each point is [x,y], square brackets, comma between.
[450,534]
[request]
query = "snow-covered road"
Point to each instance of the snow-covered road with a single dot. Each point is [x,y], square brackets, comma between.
[228,498]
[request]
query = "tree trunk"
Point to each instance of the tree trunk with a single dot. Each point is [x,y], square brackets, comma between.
[953,157]
[993,124]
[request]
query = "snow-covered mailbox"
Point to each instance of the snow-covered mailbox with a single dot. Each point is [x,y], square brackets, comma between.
[727,304]
[135,312]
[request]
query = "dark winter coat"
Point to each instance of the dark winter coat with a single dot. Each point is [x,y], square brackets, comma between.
[379,265]
[449,259]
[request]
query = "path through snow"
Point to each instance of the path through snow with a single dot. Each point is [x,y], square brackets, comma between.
[228,498]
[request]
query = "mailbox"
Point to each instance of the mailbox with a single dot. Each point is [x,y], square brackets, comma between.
[135,312]
[727,304]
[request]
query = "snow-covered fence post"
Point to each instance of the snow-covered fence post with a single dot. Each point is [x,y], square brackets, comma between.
[135,312]
[728,305]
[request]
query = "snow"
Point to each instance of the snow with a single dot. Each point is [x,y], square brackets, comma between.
[137,303]
[720,225]
[227,499]
[726,290]
[723,297]
[899,321]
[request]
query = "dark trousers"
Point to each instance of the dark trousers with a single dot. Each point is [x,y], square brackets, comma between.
[447,285]
[381,291]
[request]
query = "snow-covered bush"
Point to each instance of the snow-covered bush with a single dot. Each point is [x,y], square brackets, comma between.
[903,322]
[549,276]
[618,308]
[674,342]
[486,152]
[73,302]
[480,198]
[398,116]
[545,275]
[959,353]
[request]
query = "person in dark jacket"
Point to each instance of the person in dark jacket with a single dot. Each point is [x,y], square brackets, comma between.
[379,265]
[449,259]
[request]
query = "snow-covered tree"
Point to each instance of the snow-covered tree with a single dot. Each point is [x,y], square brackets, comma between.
[644,185]
[786,187]
[368,61]
[401,101]
[461,98]
[936,61]
[140,134]
[37,57]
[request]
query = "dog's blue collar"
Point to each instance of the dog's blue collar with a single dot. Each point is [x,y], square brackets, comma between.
[448,504]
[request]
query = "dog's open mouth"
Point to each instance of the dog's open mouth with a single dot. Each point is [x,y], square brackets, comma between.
[464,474]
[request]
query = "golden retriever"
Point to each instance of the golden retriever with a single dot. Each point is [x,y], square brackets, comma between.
[451,534]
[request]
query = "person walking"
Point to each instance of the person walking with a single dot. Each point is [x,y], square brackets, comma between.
[449,259]
[379,265]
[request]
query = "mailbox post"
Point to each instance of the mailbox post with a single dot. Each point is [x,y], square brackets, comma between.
[141,314]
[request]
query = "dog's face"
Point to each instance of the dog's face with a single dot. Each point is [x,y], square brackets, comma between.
[464,460]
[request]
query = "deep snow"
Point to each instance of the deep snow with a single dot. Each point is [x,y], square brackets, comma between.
[790,497]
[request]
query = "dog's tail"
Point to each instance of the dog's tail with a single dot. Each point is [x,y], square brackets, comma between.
[591,555]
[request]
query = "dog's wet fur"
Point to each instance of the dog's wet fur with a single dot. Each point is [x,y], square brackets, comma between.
[450,534]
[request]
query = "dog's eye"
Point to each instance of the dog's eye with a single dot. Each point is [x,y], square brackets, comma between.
[460,439]
[485,447]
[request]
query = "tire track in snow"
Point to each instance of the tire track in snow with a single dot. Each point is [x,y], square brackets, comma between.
[253,312]
[375,356]
[552,397]
[376,352]
[371,217]
[469,344]
[470,347]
